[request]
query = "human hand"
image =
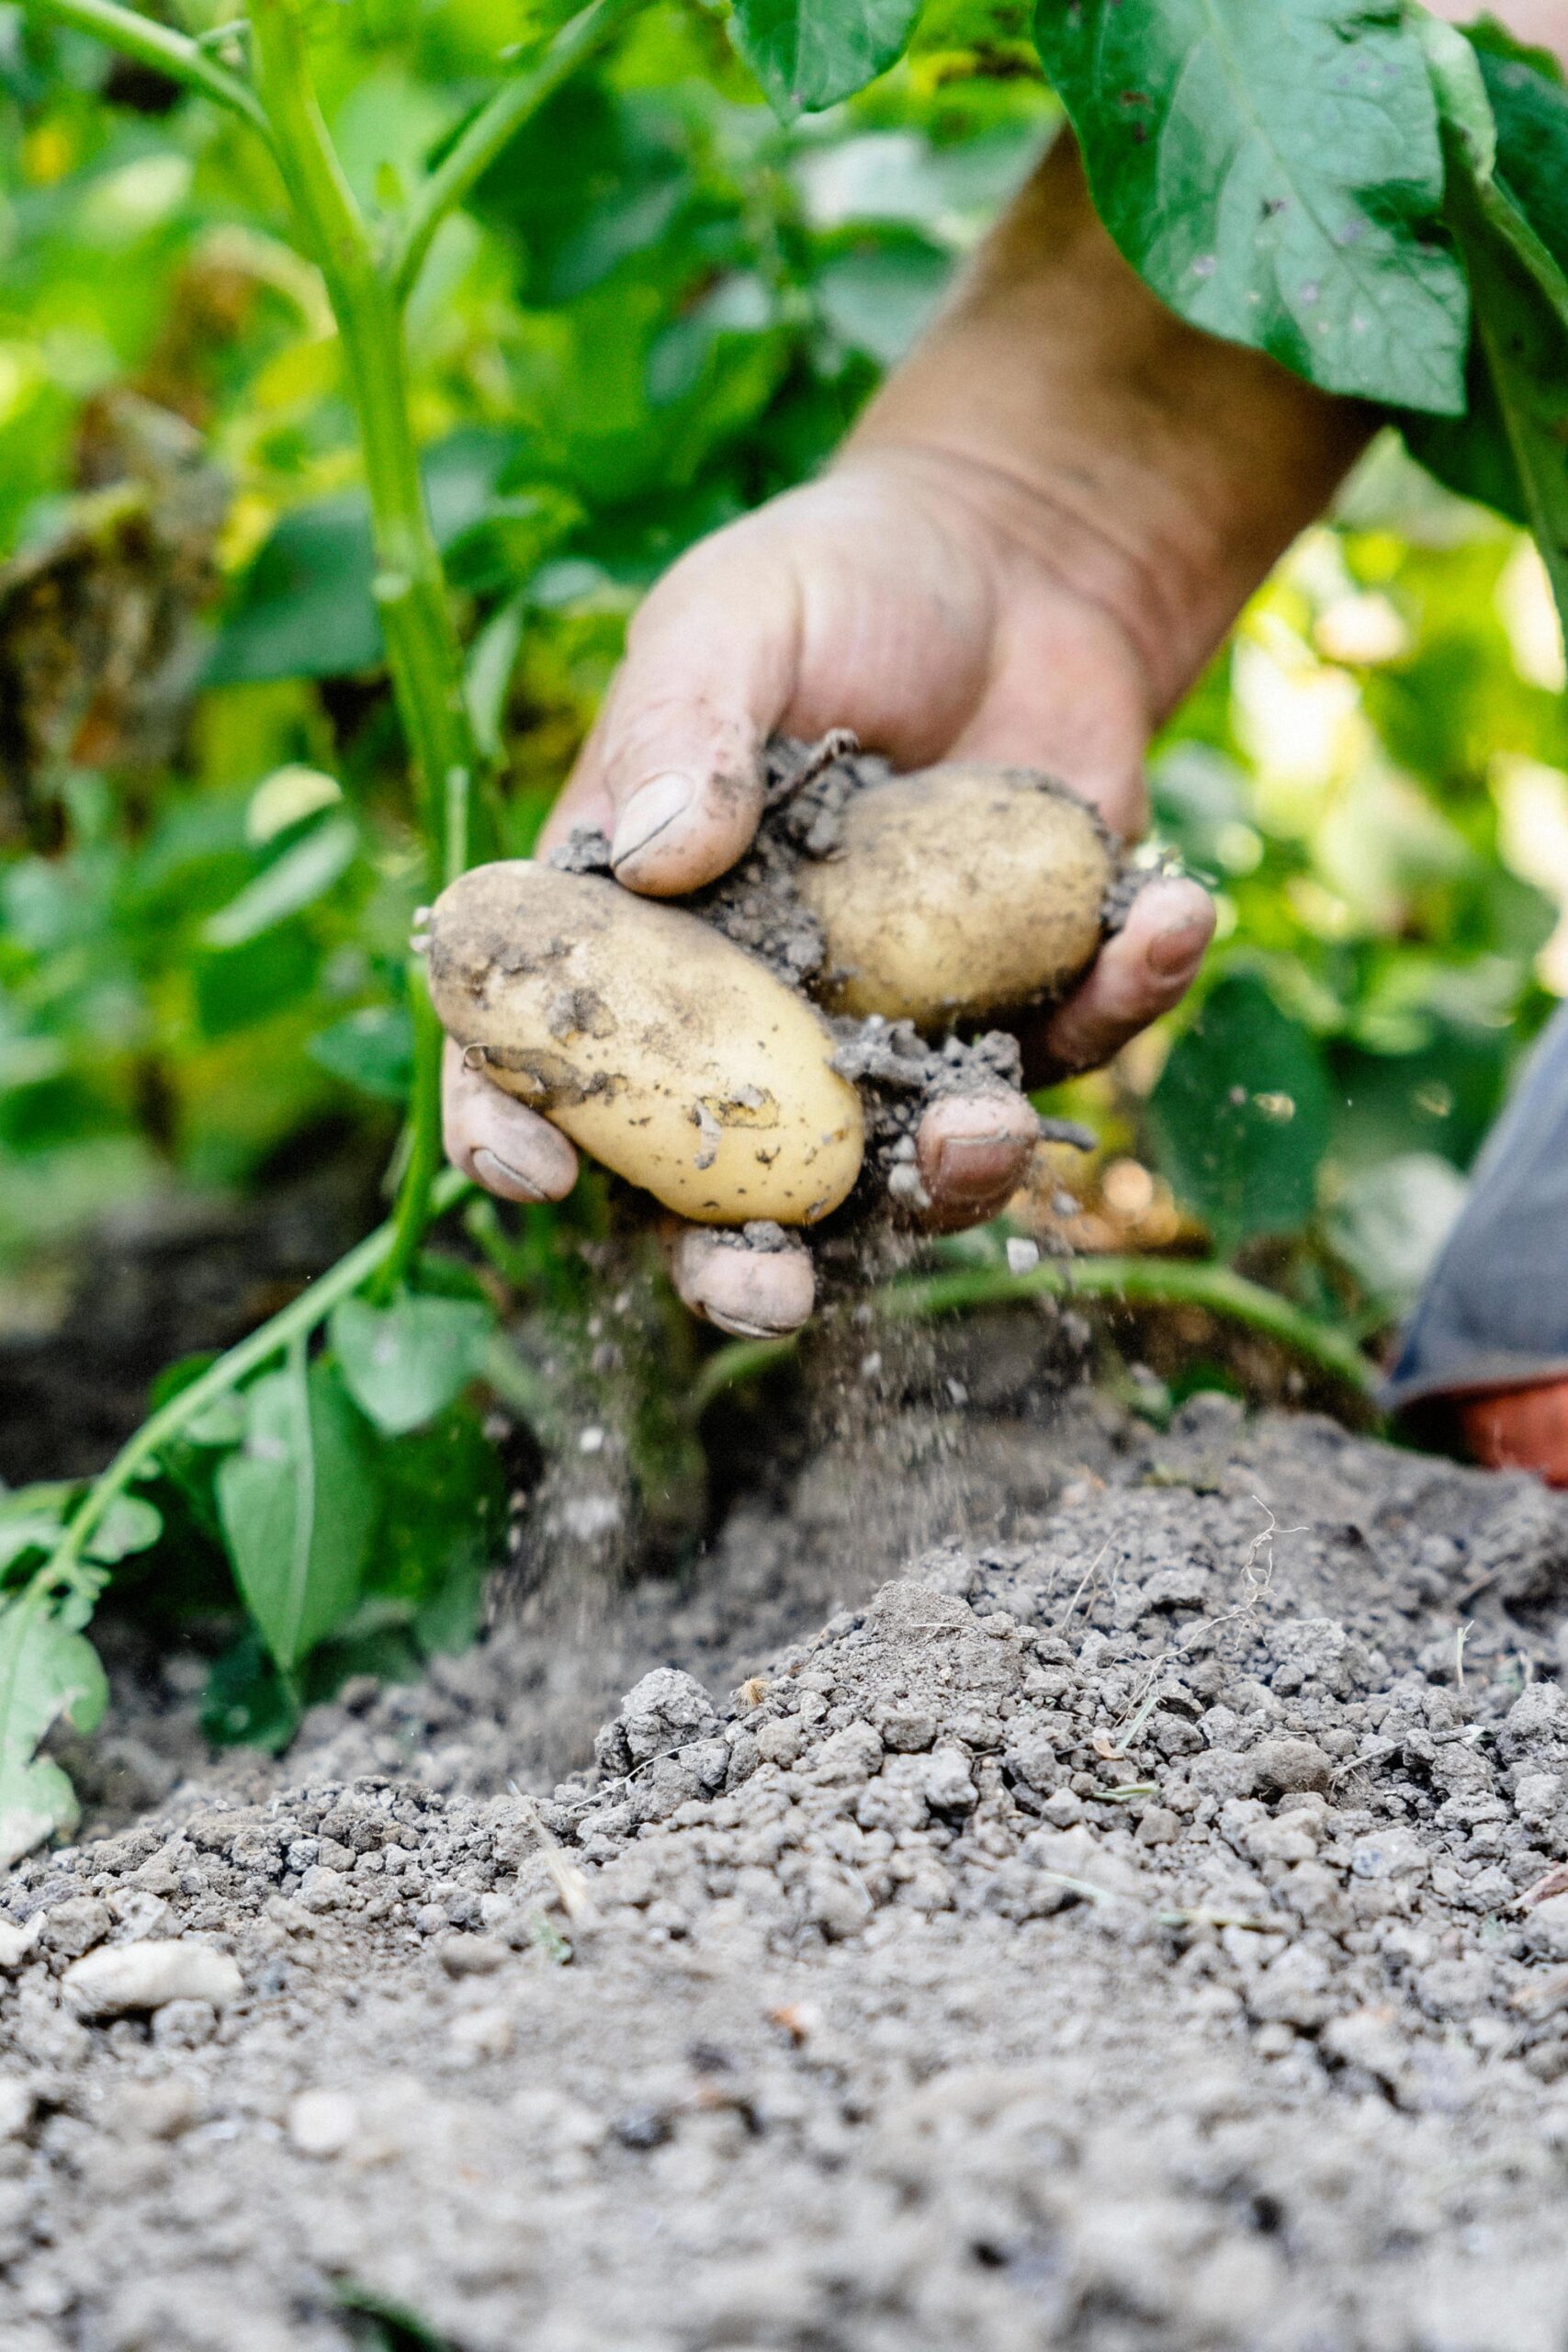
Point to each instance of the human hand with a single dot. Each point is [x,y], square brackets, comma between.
[913,597]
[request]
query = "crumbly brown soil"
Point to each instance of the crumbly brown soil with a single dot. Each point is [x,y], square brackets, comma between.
[1052,1883]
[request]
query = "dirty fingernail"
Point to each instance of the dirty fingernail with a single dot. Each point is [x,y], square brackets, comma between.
[498,1174]
[650,810]
[975,1163]
[1173,951]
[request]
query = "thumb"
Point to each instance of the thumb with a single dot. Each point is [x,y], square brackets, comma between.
[673,770]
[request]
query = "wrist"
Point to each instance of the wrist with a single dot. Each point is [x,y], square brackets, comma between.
[1157,472]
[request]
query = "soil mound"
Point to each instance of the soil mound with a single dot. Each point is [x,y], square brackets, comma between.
[1136,1924]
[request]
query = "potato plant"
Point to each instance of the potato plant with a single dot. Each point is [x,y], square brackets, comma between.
[550,296]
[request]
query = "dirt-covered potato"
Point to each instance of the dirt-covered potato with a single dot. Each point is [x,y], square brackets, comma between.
[668,1053]
[957,893]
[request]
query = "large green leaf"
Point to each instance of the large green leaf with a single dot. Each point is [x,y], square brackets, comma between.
[1530,109]
[1241,1114]
[810,53]
[1272,168]
[47,1672]
[1524,337]
[404,1363]
[1514,443]
[296,1507]
[594,179]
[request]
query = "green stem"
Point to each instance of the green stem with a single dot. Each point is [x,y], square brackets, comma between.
[424,653]
[728,1367]
[291,1325]
[412,1214]
[498,121]
[530,1395]
[158,46]
[1162,1282]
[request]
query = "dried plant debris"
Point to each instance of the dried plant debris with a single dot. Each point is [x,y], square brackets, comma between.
[100,641]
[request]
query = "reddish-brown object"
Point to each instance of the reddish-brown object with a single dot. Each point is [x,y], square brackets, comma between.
[1520,1429]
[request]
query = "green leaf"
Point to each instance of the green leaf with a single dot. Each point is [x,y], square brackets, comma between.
[304,872]
[1530,111]
[372,1049]
[296,1508]
[239,986]
[304,608]
[246,1701]
[488,678]
[1461,92]
[444,1510]
[879,294]
[404,1363]
[129,1524]
[1492,37]
[1515,437]
[1524,337]
[47,1672]
[810,53]
[1241,1114]
[1507,122]
[1272,168]
[31,1518]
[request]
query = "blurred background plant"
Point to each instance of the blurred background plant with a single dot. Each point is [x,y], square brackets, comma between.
[661,306]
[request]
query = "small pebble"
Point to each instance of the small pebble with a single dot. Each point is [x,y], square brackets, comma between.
[323,2122]
[19,1944]
[17,2100]
[120,1978]
[472,1955]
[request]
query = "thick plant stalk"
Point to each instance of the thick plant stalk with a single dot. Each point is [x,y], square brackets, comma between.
[424,653]
[416,1190]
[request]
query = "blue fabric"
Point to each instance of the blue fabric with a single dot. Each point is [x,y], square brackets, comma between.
[1494,1311]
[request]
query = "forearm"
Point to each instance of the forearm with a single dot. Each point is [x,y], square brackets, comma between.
[1159,470]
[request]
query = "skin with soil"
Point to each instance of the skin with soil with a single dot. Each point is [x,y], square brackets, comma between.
[1133,1925]
[861,891]
[675,1057]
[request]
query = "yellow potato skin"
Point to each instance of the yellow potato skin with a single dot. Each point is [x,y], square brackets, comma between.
[957,893]
[666,1052]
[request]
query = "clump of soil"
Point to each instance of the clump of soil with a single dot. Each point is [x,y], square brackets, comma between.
[1132,1919]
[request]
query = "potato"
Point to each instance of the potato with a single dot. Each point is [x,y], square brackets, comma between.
[666,1052]
[957,893]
